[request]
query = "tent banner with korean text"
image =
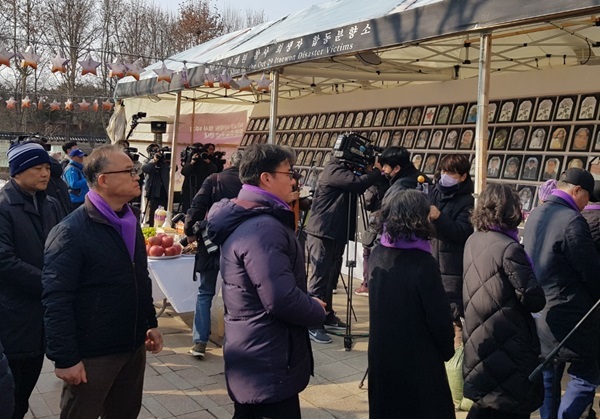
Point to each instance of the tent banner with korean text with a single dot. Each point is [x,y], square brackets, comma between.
[216,128]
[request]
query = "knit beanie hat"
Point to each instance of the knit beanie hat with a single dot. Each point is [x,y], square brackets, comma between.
[24,156]
[546,189]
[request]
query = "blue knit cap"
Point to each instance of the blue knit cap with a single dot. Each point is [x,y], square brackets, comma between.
[24,156]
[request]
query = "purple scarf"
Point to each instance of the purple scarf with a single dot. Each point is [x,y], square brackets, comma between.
[124,225]
[280,202]
[412,243]
[592,207]
[567,198]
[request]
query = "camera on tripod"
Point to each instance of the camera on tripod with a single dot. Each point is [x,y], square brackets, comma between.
[32,137]
[132,153]
[187,155]
[163,153]
[356,151]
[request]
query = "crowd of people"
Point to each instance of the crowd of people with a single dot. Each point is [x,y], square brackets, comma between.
[441,272]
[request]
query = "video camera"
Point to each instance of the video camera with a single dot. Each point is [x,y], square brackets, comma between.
[355,150]
[37,138]
[187,154]
[163,153]
[132,152]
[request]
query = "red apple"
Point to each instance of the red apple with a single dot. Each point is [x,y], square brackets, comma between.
[170,251]
[178,247]
[156,251]
[148,249]
[154,241]
[167,241]
[161,234]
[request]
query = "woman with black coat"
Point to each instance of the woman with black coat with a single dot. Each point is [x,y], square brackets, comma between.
[410,332]
[500,292]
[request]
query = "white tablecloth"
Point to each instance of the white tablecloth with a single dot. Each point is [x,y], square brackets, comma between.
[172,279]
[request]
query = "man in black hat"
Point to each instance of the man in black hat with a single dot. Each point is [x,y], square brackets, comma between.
[27,215]
[558,240]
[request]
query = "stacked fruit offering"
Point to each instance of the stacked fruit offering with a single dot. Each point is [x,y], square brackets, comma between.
[162,245]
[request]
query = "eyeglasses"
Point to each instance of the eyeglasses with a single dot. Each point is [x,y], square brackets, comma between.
[132,172]
[293,174]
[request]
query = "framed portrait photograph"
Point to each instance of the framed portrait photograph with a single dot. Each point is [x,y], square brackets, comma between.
[594,167]
[429,116]
[524,110]
[284,139]
[512,167]
[493,112]
[507,111]
[358,119]
[436,139]
[303,139]
[499,139]
[313,122]
[471,114]
[281,122]
[315,138]
[526,196]
[244,141]
[324,140]
[397,138]
[565,107]
[545,107]
[292,142]
[308,158]
[588,107]
[330,120]
[458,113]
[250,126]
[318,159]
[390,118]
[409,139]
[443,115]
[494,166]
[551,168]
[368,121]
[466,139]
[349,120]
[423,138]
[596,143]
[430,164]
[384,139]
[537,140]
[579,162]
[582,137]
[415,116]
[305,120]
[558,138]
[531,168]
[374,136]
[332,139]
[322,120]
[300,157]
[518,138]
[297,122]
[403,117]
[451,140]
[417,160]
[339,121]
[378,121]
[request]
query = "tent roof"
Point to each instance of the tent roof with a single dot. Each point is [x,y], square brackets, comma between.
[344,45]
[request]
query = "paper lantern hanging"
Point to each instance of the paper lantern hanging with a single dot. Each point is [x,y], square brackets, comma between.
[83,105]
[5,57]
[134,69]
[59,64]
[209,80]
[11,103]
[117,69]
[95,105]
[69,105]
[264,84]
[54,106]
[107,105]
[225,80]
[89,66]
[164,74]
[245,84]
[26,102]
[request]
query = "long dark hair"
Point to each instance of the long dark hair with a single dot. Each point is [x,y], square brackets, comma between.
[498,206]
[405,214]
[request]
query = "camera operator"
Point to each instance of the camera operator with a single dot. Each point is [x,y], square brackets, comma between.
[157,170]
[329,229]
[197,166]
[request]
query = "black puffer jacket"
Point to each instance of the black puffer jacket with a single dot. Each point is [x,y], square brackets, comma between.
[98,302]
[23,230]
[329,211]
[407,178]
[501,345]
[452,229]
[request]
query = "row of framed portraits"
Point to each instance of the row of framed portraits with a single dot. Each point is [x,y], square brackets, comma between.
[567,108]
[575,138]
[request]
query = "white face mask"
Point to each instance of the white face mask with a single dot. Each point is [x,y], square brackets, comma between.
[447,181]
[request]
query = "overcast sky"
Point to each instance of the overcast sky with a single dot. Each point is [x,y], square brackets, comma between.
[274,9]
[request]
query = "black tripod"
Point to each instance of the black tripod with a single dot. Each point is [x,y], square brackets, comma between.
[552,357]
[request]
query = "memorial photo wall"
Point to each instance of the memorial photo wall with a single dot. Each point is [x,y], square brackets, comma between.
[531,139]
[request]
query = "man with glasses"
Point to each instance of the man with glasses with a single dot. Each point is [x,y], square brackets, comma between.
[100,320]
[267,353]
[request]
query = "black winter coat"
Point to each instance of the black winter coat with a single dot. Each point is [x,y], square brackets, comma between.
[194,176]
[410,336]
[329,210]
[157,179]
[98,302]
[7,387]
[23,231]
[567,266]
[57,188]
[407,178]
[501,344]
[452,229]
[592,215]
